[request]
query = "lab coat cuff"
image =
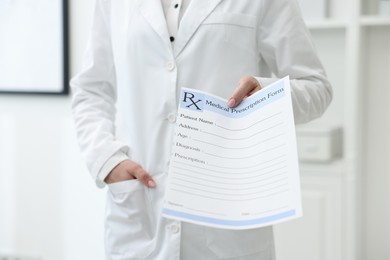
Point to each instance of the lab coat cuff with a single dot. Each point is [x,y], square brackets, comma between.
[264,82]
[107,167]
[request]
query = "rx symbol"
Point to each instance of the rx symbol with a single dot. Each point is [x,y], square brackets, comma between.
[190,97]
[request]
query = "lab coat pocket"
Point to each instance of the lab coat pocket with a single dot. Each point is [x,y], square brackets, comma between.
[242,20]
[234,31]
[129,229]
[226,244]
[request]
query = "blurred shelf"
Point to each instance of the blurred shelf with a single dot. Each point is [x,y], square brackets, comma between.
[333,167]
[366,20]
[375,20]
[326,24]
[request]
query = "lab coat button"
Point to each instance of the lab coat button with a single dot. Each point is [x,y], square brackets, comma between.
[170,65]
[175,229]
[172,118]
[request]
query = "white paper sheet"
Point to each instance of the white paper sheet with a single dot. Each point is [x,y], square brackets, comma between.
[234,168]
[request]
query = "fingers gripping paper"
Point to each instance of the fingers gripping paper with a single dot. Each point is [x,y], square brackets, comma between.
[234,168]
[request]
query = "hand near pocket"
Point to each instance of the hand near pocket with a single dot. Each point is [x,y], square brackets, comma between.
[129,170]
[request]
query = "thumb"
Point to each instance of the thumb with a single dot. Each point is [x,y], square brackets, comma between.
[246,87]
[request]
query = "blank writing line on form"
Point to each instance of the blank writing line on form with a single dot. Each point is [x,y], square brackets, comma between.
[246,167]
[237,178]
[228,173]
[227,187]
[271,180]
[239,148]
[231,194]
[249,156]
[236,200]
[245,128]
[207,212]
[243,138]
[269,211]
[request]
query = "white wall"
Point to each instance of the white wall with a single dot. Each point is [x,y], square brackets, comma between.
[49,206]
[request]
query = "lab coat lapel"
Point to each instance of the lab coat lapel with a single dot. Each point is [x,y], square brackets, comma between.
[154,14]
[196,13]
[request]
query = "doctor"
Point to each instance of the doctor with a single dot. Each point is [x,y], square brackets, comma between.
[139,55]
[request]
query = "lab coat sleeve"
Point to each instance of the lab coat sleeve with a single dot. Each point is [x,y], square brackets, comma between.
[94,98]
[285,45]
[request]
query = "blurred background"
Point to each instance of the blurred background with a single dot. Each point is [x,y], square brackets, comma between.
[50,208]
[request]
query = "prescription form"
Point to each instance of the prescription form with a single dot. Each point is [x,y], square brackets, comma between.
[234,168]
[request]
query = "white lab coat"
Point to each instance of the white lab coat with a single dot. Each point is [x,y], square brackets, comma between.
[125,102]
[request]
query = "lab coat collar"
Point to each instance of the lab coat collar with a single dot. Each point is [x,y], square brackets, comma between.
[153,12]
[196,13]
